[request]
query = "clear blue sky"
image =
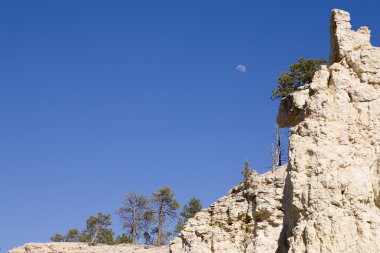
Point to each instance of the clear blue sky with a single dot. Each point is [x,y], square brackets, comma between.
[99,98]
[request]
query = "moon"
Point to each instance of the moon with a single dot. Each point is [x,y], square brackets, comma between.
[241,68]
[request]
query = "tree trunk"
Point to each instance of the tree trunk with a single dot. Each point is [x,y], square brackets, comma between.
[134,227]
[160,222]
[96,235]
[277,150]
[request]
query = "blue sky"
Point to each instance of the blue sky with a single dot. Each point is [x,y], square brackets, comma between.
[99,98]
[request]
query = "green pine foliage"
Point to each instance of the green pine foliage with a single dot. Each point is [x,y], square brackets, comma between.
[189,210]
[98,230]
[57,238]
[143,217]
[299,74]
[246,172]
[180,225]
[123,239]
[72,236]
[166,206]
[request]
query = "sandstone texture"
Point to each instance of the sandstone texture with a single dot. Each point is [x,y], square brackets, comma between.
[249,217]
[331,199]
[328,197]
[73,247]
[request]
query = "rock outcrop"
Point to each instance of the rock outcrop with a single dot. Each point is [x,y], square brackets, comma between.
[249,217]
[328,200]
[74,247]
[332,188]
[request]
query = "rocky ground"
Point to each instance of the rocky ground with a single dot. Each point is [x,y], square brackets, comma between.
[73,247]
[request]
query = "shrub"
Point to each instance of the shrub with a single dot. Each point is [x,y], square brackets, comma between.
[299,74]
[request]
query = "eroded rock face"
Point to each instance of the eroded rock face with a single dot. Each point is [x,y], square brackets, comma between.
[332,190]
[330,201]
[248,218]
[73,247]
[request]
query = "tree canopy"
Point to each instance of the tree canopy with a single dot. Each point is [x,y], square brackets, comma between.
[166,207]
[58,237]
[72,236]
[143,217]
[246,172]
[299,74]
[136,214]
[124,238]
[189,210]
[98,230]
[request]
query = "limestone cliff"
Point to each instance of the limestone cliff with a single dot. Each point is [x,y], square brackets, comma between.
[328,200]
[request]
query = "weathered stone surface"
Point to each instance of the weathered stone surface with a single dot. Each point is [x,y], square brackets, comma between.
[332,187]
[343,39]
[331,195]
[249,217]
[73,247]
[291,109]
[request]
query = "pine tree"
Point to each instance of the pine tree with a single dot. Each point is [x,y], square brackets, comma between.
[189,210]
[98,230]
[136,213]
[299,74]
[246,172]
[166,207]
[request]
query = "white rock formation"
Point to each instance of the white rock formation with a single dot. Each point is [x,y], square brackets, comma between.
[249,217]
[331,195]
[332,188]
[73,247]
